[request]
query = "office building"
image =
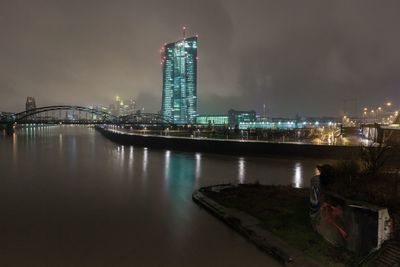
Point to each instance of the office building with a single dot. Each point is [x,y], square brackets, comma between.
[217,120]
[179,94]
[235,117]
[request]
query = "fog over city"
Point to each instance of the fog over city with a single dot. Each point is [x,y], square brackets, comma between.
[305,57]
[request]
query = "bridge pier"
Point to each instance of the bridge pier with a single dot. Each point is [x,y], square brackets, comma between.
[10,129]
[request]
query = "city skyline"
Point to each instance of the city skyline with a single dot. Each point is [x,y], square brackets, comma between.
[199,133]
[310,64]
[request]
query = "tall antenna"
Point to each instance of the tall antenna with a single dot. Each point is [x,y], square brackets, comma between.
[184,32]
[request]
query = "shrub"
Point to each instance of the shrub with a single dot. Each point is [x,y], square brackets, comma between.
[374,158]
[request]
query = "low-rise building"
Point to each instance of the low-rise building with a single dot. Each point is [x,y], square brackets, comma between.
[218,120]
[235,117]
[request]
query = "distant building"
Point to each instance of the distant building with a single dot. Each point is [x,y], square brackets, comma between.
[132,107]
[179,95]
[217,120]
[119,108]
[112,109]
[271,124]
[119,105]
[290,123]
[236,117]
[30,103]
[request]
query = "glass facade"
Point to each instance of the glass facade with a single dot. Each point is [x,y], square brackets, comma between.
[236,116]
[212,119]
[179,97]
[286,124]
[270,125]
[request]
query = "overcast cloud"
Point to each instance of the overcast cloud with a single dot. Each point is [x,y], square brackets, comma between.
[304,57]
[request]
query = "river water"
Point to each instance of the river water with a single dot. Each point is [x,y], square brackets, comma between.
[70,197]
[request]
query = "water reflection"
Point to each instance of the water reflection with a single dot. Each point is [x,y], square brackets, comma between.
[14,147]
[145,160]
[60,142]
[71,148]
[122,157]
[131,153]
[180,183]
[180,171]
[130,161]
[298,175]
[166,163]
[198,168]
[241,170]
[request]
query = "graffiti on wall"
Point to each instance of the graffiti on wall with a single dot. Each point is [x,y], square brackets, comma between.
[359,227]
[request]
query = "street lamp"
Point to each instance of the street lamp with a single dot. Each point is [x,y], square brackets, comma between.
[373,115]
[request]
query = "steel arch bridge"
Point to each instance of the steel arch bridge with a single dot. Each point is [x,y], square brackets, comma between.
[80,115]
[64,113]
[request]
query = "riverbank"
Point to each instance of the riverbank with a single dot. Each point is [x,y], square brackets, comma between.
[276,219]
[232,147]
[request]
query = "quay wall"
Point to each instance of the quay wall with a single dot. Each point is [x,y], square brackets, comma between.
[233,147]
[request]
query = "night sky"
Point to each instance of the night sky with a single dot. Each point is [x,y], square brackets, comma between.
[305,57]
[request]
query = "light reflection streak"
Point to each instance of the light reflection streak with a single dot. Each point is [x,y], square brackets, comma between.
[131,153]
[145,160]
[14,147]
[60,142]
[241,166]
[122,155]
[298,175]
[198,167]
[166,164]
[130,161]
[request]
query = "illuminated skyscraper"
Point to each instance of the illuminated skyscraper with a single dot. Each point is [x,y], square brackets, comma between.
[179,96]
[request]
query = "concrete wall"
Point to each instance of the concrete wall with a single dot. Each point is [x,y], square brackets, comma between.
[234,147]
[358,226]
